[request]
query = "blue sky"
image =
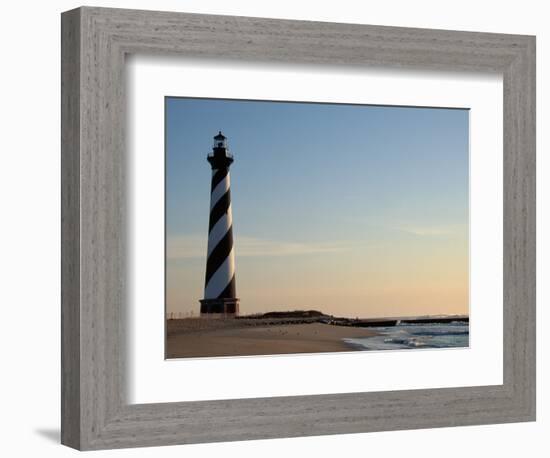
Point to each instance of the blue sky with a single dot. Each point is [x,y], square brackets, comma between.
[352,209]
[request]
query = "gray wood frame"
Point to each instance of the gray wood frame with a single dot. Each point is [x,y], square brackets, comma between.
[95,414]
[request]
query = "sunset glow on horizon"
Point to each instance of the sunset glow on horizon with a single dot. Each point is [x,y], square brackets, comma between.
[352,210]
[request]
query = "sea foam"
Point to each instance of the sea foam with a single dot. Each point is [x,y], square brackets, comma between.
[415,336]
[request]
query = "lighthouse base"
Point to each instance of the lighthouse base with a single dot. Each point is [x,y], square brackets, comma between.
[220,308]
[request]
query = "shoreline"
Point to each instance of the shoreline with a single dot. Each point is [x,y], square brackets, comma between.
[196,337]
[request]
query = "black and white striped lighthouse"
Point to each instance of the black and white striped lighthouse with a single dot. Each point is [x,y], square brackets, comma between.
[219,289]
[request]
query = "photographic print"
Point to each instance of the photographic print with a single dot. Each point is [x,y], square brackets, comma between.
[300,227]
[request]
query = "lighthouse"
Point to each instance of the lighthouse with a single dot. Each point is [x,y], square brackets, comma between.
[220,298]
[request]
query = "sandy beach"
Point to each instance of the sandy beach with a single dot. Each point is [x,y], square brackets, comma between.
[207,338]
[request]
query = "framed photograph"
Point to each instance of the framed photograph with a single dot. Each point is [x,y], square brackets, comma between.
[279,228]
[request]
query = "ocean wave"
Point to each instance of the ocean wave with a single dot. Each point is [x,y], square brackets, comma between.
[414,336]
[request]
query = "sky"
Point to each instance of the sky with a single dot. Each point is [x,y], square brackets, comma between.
[353,210]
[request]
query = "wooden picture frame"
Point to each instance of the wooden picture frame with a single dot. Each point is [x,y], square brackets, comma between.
[95,412]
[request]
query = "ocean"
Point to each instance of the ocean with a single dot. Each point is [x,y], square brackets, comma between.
[415,336]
